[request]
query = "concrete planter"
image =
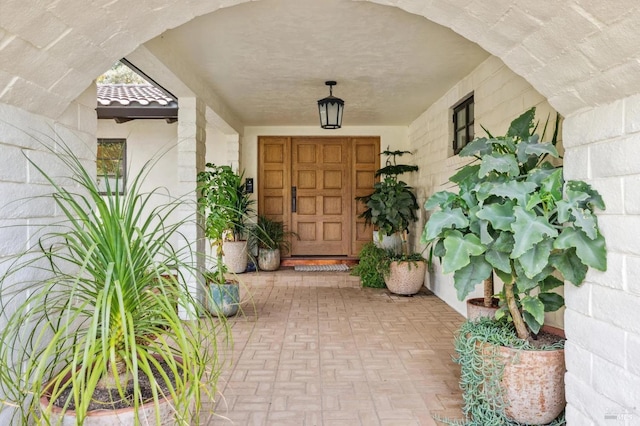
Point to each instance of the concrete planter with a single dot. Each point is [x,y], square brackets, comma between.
[269,259]
[236,256]
[406,278]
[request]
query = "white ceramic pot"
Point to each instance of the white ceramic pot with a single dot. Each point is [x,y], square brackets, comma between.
[388,242]
[235,256]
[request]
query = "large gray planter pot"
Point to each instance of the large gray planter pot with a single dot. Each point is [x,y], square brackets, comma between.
[235,256]
[269,259]
[406,278]
[224,299]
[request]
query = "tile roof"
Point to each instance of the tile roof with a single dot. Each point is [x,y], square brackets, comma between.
[133,95]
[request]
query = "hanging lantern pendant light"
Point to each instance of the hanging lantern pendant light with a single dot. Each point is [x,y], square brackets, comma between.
[331,109]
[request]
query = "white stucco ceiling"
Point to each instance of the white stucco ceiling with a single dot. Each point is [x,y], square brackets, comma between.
[268,60]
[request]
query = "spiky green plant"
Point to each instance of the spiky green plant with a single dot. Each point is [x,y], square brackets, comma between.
[95,303]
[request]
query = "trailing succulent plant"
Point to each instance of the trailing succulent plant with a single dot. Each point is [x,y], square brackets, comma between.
[515,215]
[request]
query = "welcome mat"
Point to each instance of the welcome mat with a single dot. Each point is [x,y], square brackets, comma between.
[322,268]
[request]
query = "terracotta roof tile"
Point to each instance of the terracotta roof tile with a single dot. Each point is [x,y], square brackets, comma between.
[132,95]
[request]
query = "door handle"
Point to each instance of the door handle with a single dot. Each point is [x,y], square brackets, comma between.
[294,197]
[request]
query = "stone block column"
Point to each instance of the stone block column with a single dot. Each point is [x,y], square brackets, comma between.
[191,160]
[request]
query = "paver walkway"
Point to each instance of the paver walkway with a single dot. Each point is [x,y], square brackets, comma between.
[316,349]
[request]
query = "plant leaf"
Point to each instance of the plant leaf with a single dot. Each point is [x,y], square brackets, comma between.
[521,126]
[513,190]
[477,147]
[551,301]
[500,163]
[468,277]
[535,308]
[536,259]
[467,173]
[459,249]
[440,199]
[528,230]
[592,252]
[499,215]
[440,221]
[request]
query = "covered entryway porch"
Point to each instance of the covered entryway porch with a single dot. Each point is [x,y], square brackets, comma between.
[314,348]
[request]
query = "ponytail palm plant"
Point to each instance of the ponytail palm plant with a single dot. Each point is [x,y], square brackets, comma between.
[93,307]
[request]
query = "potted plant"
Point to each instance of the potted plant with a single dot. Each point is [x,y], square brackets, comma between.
[391,207]
[514,216]
[91,333]
[227,208]
[271,239]
[403,273]
[368,267]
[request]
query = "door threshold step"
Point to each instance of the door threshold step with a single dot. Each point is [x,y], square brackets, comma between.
[297,261]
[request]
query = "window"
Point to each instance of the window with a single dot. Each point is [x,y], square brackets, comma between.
[463,119]
[111,165]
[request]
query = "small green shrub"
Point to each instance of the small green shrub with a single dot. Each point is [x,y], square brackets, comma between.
[368,269]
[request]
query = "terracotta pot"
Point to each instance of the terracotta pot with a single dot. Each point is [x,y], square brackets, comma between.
[269,259]
[236,256]
[406,278]
[477,310]
[533,382]
[123,416]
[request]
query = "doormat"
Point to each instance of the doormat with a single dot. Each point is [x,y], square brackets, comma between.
[322,268]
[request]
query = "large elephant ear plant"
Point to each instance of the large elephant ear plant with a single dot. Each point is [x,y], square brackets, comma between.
[516,216]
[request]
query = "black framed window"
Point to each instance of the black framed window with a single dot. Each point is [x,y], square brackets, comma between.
[463,119]
[111,165]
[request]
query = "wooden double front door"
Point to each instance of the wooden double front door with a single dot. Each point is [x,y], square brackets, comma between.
[310,184]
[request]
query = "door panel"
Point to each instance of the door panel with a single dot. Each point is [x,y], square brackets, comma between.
[274,195]
[320,175]
[327,173]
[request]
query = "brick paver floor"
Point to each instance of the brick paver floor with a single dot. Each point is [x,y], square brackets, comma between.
[314,348]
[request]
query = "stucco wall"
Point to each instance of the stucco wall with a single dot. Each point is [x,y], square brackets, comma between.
[499,96]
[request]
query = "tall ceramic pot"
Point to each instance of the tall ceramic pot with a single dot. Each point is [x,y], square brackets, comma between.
[224,299]
[405,278]
[236,256]
[269,259]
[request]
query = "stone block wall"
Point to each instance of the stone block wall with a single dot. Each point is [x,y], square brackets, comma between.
[602,320]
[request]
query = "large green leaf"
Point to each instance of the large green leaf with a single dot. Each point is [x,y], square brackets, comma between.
[459,248]
[550,283]
[440,199]
[540,149]
[499,260]
[443,220]
[536,259]
[586,221]
[526,284]
[592,252]
[499,215]
[595,200]
[467,278]
[535,308]
[552,301]
[499,163]
[528,230]
[552,184]
[513,190]
[467,173]
[477,147]
[521,127]
[569,265]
